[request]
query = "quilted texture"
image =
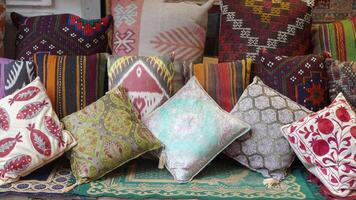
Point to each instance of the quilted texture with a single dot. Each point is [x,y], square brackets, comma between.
[109,134]
[338,38]
[283,27]
[194,129]
[14,75]
[157,28]
[148,80]
[264,149]
[301,78]
[72,82]
[30,133]
[342,78]
[2,26]
[332,10]
[225,82]
[63,34]
[325,143]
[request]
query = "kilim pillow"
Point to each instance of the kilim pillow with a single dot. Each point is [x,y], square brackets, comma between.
[338,38]
[283,27]
[325,143]
[264,149]
[72,82]
[109,134]
[148,80]
[30,133]
[225,82]
[194,130]
[2,26]
[63,34]
[301,78]
[14,75]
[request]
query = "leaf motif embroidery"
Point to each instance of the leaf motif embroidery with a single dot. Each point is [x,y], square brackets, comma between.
[14,75]
[8,144]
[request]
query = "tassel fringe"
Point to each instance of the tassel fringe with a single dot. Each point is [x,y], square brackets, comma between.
[270,182]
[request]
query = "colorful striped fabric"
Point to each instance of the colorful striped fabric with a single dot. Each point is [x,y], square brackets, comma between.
[224,82]
[72,82]
[338,38]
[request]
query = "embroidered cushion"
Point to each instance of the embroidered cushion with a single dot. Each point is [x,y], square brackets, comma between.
[14,75]
[30,133]
[148,80]
[301,78]
[72,82]
[224,82]
[338,38]
[283,27]
[109,134]
[325,143]
[264,149]
[63,34]
[194,130]
[2,26]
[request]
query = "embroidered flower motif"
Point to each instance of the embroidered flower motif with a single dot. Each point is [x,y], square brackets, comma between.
[316,94]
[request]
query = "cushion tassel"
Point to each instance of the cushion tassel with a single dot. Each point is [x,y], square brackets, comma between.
[69,188]
[269,182]
[162,160]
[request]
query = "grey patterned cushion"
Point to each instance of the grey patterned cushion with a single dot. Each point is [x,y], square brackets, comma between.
[264,149]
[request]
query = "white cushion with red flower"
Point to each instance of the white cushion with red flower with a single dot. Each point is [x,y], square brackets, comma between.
[30,132]
[326,144]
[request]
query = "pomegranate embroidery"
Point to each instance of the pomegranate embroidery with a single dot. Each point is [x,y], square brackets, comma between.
[31,110]
[54,129]
[39,140]
[16,165]
[25,94]
[8,144]
[4,120]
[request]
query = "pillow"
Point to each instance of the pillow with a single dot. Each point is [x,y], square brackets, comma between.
[63,34]
[30,133]
[147,80]
[338,38]
[2,26]
[72,82]
[301,78]
[325,143]
[224,82]
[194,130]
[264,149]
[331,10]
[109,134]
[14,75]
[342,78]
[283,27]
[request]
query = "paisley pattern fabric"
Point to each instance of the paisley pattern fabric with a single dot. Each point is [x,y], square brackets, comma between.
[325,143]
[264,149]
[109,134]
[30,133]
[194,129]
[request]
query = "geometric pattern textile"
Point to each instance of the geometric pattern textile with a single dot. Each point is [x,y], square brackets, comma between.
[332,10]
[264,149]
[338,38]
[2,26]
[325,143]
[301,78]
[63,34]
[72,82]
[282,27]
[147,80]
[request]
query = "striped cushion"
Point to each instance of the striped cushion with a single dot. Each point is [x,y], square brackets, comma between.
[224,82]
[338,38]
[72,82]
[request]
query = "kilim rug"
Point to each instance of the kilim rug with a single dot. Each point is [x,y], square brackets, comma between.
[221,179]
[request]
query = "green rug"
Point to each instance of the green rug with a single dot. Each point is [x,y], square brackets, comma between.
[221,179]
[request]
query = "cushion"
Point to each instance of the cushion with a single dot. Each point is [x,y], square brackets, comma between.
[72,82]
[2,26]
[283,27]
[14,75]
[154,27]
[194,130]
[63,34]
[30,133]
[109,134]
[225,82]
[331,10]
[342,78]
[325,143]
[338,38]
[301,78]
[264,149]
[148,80]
